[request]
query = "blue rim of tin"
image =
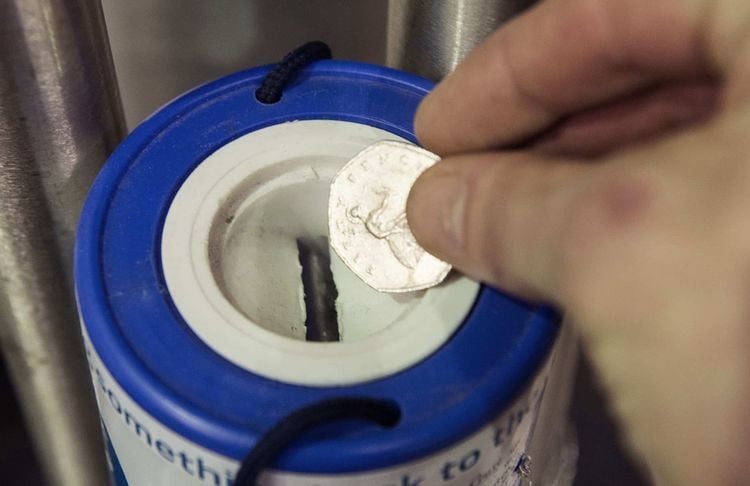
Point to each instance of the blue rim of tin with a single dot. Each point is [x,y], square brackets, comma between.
[155,357]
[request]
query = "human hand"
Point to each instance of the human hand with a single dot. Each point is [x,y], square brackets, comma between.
[597,156]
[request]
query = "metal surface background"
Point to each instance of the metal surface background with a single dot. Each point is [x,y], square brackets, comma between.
[163,48]
[429,37]
[59,118]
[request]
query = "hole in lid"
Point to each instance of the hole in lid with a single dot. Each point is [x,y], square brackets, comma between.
[270,256]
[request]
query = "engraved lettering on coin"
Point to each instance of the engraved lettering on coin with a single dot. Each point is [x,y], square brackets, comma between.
[367,218]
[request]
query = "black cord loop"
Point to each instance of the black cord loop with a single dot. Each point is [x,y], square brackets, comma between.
[276,80]
[273,442]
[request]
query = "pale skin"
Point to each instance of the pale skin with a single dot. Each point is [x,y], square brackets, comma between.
[597,156]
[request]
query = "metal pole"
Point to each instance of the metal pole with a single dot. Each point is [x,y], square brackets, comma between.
[430,37]
[59,118]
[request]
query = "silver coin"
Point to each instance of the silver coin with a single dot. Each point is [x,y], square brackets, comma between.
[367,218]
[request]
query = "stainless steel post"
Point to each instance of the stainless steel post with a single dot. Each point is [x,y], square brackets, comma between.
[430,37]
[59,118]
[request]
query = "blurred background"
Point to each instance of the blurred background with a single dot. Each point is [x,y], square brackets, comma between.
[162,48]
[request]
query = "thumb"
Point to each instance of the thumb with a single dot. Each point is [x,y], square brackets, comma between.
[498,217]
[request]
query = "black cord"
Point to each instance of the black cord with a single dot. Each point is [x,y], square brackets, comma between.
[273,442]
[275,81]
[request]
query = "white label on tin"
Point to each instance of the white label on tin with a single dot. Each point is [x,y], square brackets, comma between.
[149,453]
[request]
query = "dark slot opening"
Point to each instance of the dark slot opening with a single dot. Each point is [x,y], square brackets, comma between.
[321,322]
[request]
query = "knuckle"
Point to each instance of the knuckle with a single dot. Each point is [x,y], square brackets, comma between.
[508,236]
[487,219]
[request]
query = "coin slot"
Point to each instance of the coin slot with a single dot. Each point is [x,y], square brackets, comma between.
[270,259]
[270,255]
[321,322]
[233,253]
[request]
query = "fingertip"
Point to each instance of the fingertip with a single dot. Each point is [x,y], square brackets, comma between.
[438,210]
[435,211]
[424,126]
[496,216]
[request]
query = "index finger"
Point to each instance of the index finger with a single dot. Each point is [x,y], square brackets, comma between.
[560,57]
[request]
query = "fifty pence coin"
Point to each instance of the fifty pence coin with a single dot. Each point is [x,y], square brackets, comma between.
[367,218]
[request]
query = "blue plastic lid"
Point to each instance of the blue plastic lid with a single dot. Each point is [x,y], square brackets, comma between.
[181,382]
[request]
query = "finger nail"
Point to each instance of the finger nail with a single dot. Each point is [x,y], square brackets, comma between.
[436,211]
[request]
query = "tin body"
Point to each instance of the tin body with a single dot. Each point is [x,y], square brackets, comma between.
[191,366]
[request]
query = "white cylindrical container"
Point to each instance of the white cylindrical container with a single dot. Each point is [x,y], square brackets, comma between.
[188,279]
